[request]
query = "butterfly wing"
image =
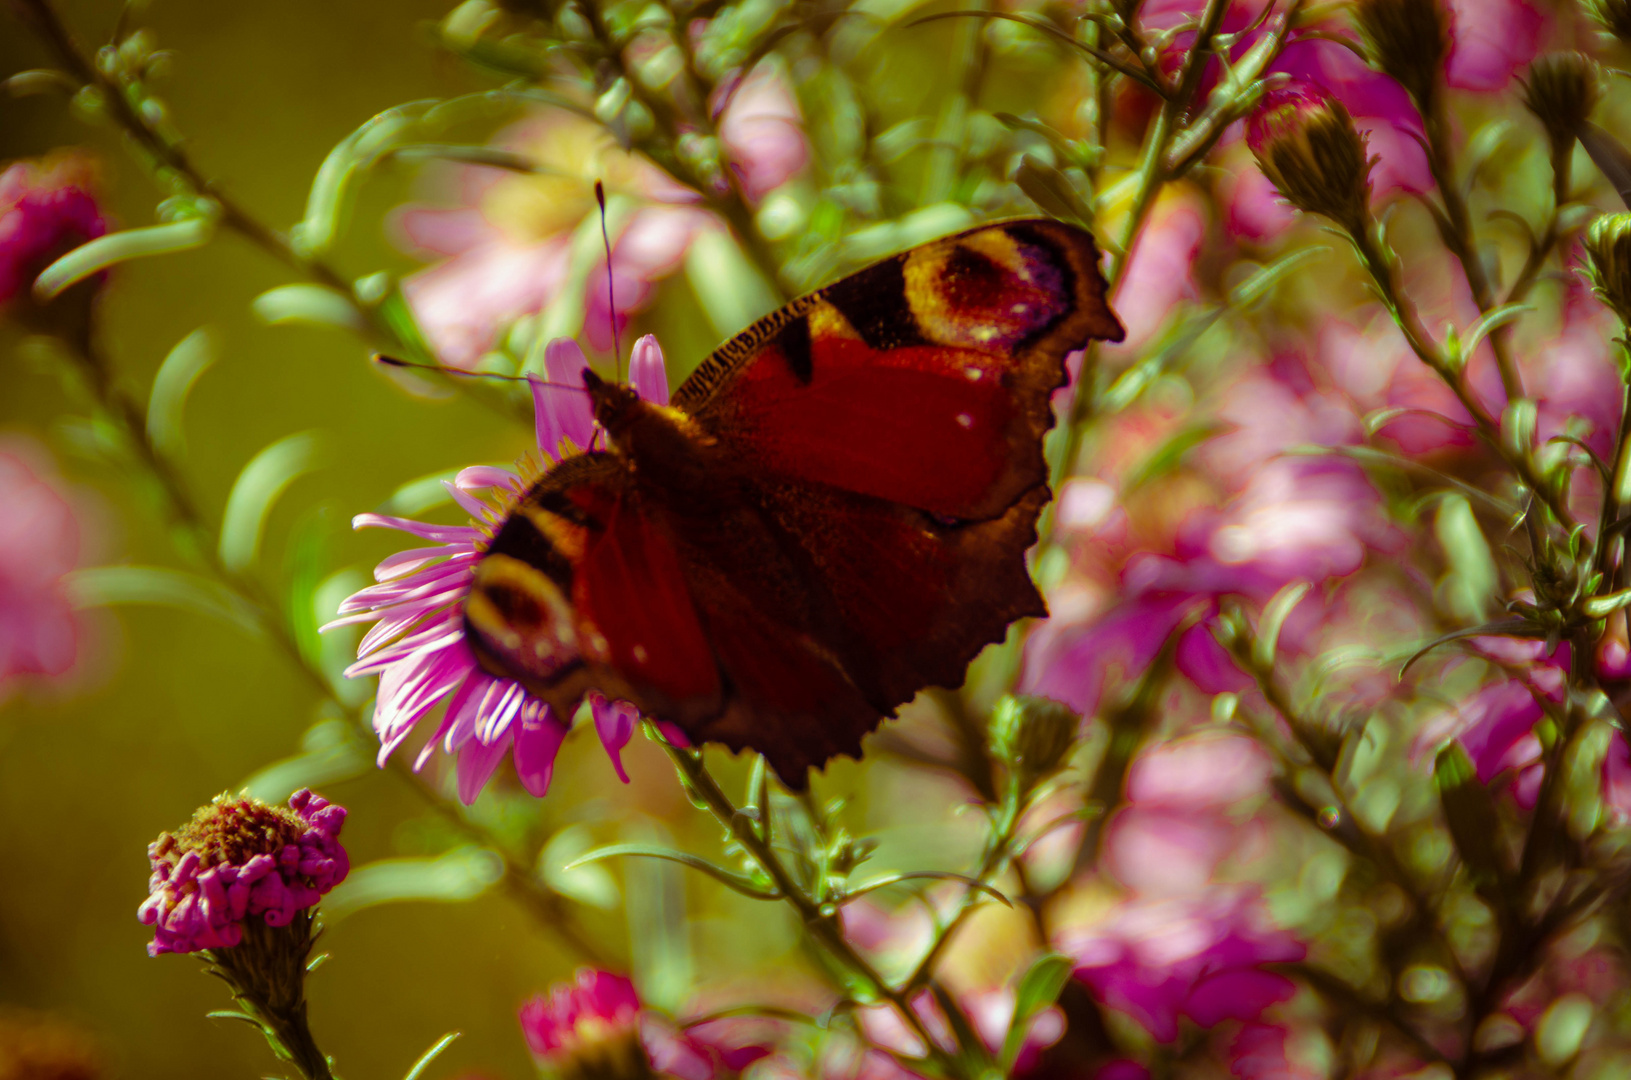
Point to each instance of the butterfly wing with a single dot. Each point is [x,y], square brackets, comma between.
[834,516]
[924,379]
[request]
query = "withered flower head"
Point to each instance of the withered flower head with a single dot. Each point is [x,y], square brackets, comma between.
[1562,89]
[1407,39]
[1033,736]
[1608,255]
[1307,145]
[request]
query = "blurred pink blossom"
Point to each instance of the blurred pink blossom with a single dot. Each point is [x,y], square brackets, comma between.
[39,545]
[1160,271]
[1200,958]
[507,250]
[1490,41]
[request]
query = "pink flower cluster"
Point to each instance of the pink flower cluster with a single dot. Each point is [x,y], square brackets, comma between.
[46,210]
[238,859]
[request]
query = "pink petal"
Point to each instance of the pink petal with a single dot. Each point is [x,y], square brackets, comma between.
[537,741]
[615,721]
[477,762]
[647,371]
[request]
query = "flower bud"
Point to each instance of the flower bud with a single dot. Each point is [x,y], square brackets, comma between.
[240,864]
[1613,15]
[1608,257]
[1407,39]
[1307,145]
[1562,89]
[588,1029]
[1033,736]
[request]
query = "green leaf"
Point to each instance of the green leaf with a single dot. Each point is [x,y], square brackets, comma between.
[742,884]
[1275,613]
[329,753]
[316,304]
[267,476]
[1473,580]
[1491,322]
[928,875]
[590,884]
[105,251]
[430,1055]
[732,292]
[233,1014]
[306,556]
[189,359]
[1469,810]
[461,874]
[328,202]
[103,586]
[1038,989]
[1051,190]
[1262,281]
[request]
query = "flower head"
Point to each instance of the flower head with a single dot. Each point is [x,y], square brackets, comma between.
[39,544]
[418,646]
[1561,90]
[588,1028]
[596,1028]
[46,210]
[1307,145]
[237,860]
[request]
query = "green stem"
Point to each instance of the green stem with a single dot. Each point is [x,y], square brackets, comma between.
[1152,175]
[1462,241]
[1385,276]
[819,921]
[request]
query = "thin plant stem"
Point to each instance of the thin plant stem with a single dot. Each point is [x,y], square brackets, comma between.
[820,922]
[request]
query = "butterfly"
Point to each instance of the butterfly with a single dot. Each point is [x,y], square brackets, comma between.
[831,514]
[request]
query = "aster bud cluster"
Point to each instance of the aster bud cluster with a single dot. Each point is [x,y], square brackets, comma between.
[1608,257]
[1407,39]
[240,859]
[1307,145]
[1562,89]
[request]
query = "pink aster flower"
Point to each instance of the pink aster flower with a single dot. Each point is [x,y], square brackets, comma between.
[1201,958]
[417,645]
[46,210]
[240,859]
[596,1027]
[507,250]
[39,544]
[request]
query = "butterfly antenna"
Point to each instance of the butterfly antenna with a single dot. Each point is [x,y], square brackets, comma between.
[611,295]
[396,362]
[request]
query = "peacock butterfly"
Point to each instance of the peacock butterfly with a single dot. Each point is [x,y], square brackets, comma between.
[831,515]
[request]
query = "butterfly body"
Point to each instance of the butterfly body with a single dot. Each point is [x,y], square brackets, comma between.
[832,514]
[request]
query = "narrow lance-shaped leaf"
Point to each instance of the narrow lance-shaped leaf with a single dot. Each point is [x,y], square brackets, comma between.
[736,881]
[331,188]
[101,586]
[267,476]
[461,874]
[329,752]
[430,1055]
[1038,989]
[315,304]
[189,359]
[105,251]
